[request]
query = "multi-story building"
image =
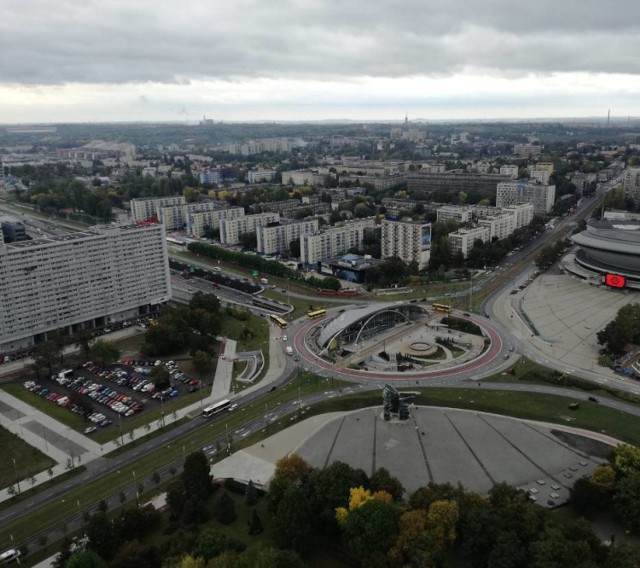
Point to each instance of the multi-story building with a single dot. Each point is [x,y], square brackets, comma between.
[527,150]
[462,240]
[518,192]
[460,214]
[12,229]
[377,182]
[258,176]
[459,181]
[197,220]
[522,214]
[231,229]
[149,208]
[307,211]
[333,241]
[2,182]
[631,183]
[410,242]
[303,177]
[211,177]
[509,170]
[93,278]
[539,175]
[175,217]
[275,206]
[500,226]
[275,238]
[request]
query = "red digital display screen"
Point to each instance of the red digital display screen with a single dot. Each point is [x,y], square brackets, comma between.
[615,281]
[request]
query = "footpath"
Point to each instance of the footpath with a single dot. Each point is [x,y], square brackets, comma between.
[69,448]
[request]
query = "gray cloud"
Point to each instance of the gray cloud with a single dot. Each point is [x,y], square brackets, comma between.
[119,41]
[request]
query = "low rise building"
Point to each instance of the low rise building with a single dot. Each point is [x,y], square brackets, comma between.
[462,240]
[460,214]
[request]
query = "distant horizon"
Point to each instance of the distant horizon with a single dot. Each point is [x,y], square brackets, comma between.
[613,121]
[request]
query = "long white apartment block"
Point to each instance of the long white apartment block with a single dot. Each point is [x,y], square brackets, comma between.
[411,242]
[461,214]
[147,208]
[462,240]
[500,226]
[303,177]
[257,176]
[231,229]
[518,192]
[333,241]
[522,214]
[275,238]
[198,220]
[176,217]
[103,275]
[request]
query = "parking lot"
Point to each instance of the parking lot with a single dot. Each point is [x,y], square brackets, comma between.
[113,393]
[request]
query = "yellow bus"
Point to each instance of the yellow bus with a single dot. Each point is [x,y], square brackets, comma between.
[313,314]
[444,308]
[278,320]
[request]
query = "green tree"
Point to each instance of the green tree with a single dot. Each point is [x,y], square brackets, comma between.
[294,520]
[160,377]
[624,329]
[210,543]
[291,470]
[626,501]
[249,241]
[250,494]
[202,363]
[85,559]
[255,524]
[207,302]
[225,509]
[196,477]
[370,531]
[46,354]
[382,480]
[105,352]
[82,339]
[176,497]
[102,535]
[133,554]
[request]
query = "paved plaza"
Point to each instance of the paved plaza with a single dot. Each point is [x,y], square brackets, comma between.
[448,445]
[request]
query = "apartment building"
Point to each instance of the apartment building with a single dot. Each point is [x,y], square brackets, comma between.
[527,150]
[459,214]
[231,229]
[149,208]
[509,170]
[458,181]
[462,240]
[333,241]
[198,219]
[103,275]
[539,175]
[631,183]
[175,217]
[259,176]
[377,182]
[12,229]
[303,177]
[410,242]
[500,226]
[518,192]
[275,206]
[211,177]
[522,214]
[275,238]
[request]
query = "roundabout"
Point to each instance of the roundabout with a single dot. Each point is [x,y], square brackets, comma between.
[407,346]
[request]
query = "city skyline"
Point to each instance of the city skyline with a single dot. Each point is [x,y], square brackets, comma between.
[317,60]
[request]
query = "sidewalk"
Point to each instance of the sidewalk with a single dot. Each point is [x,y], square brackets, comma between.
[62,444]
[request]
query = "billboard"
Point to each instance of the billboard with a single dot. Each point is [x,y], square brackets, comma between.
[425,238]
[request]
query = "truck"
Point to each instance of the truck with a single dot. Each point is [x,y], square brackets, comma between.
[264,281]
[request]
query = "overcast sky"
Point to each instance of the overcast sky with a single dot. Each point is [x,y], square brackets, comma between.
[80,60]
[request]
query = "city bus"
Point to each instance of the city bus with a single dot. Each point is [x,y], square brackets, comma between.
[444,308]
[278,320]
[313,314]
[211,410]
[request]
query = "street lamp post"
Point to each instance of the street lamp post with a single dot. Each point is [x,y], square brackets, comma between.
[15,469]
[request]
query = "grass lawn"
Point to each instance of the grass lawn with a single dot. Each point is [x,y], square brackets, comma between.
[28,460]
[529,405]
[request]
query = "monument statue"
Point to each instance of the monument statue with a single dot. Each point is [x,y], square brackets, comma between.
[396,404]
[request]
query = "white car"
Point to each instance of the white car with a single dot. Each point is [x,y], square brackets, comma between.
[284,338]
[233,407]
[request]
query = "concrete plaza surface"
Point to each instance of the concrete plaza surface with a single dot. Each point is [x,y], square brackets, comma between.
[436,444]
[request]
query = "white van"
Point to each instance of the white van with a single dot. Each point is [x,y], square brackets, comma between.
[9,556]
